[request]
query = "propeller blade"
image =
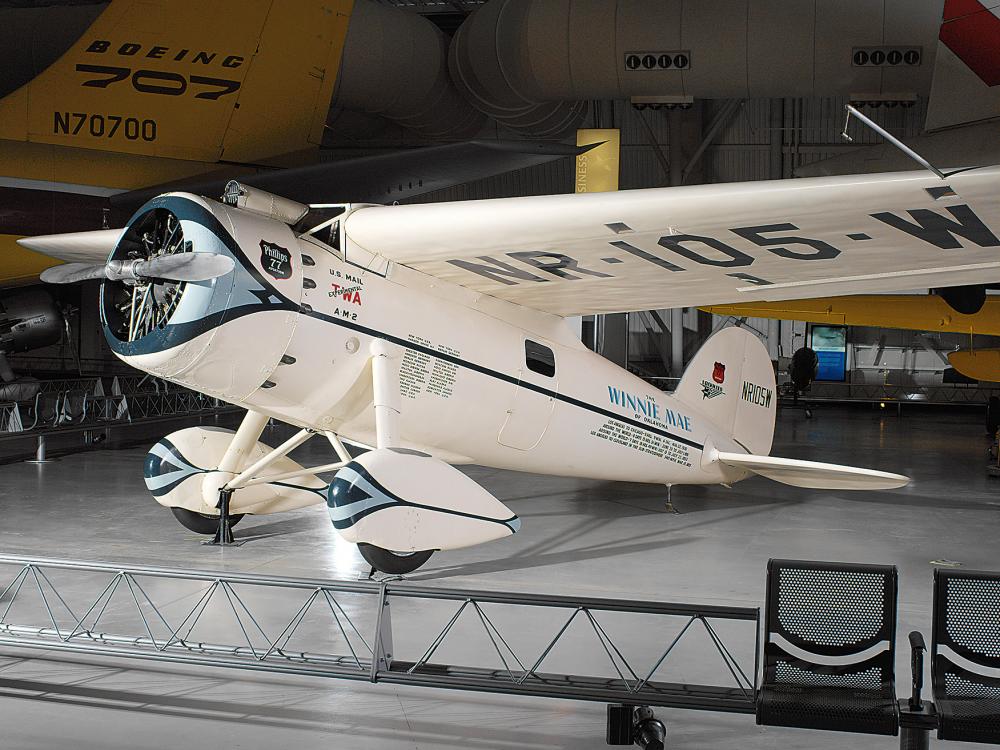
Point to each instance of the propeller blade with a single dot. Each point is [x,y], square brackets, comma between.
[72,273]
[182,267]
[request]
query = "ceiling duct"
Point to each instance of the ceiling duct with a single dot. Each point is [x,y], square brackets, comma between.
[493,66]
[395,65]
[528,63]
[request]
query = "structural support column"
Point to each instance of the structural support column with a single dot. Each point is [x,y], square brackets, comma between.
[773,338]
[675,118]
[676,342]
[612,338]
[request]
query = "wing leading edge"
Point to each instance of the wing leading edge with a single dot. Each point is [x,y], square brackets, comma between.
[703,244]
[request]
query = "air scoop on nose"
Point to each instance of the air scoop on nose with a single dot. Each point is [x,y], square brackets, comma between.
[181,267]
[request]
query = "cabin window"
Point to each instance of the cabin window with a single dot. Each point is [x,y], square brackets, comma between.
[540,358]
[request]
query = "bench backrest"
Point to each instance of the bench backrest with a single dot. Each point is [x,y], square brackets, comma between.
[967,615]
[830,610]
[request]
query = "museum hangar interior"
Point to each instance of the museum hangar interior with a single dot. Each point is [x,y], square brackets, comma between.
[500,373]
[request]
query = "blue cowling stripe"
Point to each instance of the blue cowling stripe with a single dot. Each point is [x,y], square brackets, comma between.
[165,468]
[354,493]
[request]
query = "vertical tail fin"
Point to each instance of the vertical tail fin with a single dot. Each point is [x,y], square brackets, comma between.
[966,83]
[731,382]
[239,80]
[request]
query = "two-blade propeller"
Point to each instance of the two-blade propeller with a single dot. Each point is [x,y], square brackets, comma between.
[181,267]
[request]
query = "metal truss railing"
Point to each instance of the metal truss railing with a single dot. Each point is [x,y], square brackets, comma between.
[607,650]
[54,410]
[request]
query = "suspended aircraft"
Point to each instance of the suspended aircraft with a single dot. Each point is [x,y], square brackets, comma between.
[938,312]
[109,104]
[435,335]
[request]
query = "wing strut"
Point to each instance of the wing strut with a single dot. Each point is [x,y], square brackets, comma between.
[889,137]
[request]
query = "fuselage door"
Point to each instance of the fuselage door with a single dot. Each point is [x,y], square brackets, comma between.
[534,401]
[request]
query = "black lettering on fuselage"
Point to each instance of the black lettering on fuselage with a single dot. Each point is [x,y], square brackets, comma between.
[940,231]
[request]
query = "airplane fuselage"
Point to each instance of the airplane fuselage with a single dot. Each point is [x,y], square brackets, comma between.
[480,380]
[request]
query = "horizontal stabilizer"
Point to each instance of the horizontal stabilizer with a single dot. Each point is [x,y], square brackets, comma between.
[979,364]
[813,474]
[75,247]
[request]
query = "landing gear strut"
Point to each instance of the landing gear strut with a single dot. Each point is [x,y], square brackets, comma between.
[224,535]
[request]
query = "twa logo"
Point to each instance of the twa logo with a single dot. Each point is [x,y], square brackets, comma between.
[719,373]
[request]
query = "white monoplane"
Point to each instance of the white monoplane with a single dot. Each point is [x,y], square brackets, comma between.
[435,335]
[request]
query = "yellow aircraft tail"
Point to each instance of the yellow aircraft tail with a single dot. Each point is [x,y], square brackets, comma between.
[232,80]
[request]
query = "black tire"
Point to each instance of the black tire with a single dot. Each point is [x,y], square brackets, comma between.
[202,523]
[393,563]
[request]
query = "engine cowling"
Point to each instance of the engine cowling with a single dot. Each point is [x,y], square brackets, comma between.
[170,329]
[406,501]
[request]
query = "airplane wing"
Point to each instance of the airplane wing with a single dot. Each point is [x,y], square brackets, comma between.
[382,178]
[919,312]
[813,474]
[702,244]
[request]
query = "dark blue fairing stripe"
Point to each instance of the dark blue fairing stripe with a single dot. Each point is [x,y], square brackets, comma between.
[396,500]
[154,464]
[502,376]
[160,491]
[300,487]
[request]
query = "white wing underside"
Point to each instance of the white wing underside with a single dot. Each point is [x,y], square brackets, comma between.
[619,251]
[813,474]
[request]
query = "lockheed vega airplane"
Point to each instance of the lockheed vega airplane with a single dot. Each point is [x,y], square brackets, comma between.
[435,335]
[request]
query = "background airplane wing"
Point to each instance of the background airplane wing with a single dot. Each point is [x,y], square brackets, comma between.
[382,178]
[703,244]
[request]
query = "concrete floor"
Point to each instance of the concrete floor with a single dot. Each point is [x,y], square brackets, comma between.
[579,537]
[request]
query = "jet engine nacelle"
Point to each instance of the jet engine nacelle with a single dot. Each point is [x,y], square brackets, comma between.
[29,319]
[170,329]
[406,501]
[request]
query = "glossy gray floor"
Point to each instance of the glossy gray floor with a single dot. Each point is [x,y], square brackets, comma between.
[579,537]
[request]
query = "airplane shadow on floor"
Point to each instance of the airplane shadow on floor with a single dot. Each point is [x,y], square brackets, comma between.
[197,706]
[541,552]
[646,498]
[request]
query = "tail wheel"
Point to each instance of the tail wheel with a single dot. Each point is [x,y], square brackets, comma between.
[394,563]
[201,523]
